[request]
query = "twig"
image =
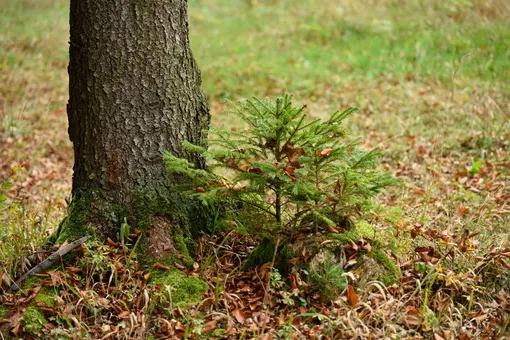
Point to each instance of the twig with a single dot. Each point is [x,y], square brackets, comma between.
[46,264]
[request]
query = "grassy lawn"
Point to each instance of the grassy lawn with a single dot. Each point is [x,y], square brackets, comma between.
[431,80]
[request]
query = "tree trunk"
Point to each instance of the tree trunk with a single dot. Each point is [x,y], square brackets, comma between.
[134,91]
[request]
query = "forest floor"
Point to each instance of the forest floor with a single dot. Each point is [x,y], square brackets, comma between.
[432,83]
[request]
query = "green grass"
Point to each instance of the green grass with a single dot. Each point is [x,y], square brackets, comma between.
[415,69]
[298,46]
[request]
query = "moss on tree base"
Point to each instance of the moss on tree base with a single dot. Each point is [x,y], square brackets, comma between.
[94,212]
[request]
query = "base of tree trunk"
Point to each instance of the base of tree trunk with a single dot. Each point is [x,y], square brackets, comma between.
[169,223]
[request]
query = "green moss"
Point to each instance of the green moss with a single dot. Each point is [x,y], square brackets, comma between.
[263,253]
[379,240]
[47,296]
[182,247]
[3,312]
[148,204]
[185,289]
[74,224]
[33,320]
[95,208]
[186,211]
[346,237]
[392,273]
[31,282]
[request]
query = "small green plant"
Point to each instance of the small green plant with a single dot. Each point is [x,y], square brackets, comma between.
[278,289]
[328,278]
[293,170]
[21,233]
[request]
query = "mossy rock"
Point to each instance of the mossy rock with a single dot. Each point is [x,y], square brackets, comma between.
[184,289]
[326,273]
[376,265]
[392,273]
[265,252]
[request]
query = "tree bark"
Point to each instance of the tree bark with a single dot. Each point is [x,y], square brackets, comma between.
[134,91]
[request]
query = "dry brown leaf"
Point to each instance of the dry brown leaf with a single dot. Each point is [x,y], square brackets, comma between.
[158,265]
[111,243]
[353,297]
[209,326]
[239,315]
[367,247]
[326,152]
[293,261]
[178,265]
[14,322]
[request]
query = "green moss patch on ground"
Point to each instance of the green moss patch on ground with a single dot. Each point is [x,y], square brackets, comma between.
[47,296]
[184,289]
[3,311]
[33,320]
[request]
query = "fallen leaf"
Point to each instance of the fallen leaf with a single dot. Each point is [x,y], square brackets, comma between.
[412,320]
[326,152]
[180,266]
[353,297]
[293,261]
[209,326]
[158,265]
[239,315]
[367,247]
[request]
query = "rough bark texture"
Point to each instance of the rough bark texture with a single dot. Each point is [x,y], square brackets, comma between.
[134,91]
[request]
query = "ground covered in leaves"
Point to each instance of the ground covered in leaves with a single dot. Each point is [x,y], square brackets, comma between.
[103,292]
[431,80]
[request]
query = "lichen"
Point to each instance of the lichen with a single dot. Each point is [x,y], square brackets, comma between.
[184,289]
[33,320]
